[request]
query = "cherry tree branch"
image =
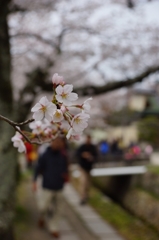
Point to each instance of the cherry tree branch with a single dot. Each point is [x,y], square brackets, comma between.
[15,124]
[16,127]
[113,85]
[97,90]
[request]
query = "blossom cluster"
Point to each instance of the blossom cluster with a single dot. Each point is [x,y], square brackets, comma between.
[56,117]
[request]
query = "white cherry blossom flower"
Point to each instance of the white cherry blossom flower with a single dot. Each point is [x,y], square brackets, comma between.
[73,135]
[37,127]
[43,109]
[80,122]
[65,95]
[65,126]
[18,143]
[86,105]
[56,79]
[58,116]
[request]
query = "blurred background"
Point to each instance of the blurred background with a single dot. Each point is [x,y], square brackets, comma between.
[108,49]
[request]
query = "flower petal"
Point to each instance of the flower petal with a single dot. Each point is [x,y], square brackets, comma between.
[59,90]
[21,147]
[69,133]
[48,116]
[68,88]
[38,116]
[59,98]
[73,97]
[58,116]
[36,107]
[44,101]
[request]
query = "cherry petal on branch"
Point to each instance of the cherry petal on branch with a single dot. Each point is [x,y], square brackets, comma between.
[43,110]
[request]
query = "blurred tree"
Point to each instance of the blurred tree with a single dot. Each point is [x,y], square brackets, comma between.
[7,154]
[66,33]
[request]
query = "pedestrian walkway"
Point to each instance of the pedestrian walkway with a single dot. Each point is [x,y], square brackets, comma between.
[77,223]
[90,219]
[31,230]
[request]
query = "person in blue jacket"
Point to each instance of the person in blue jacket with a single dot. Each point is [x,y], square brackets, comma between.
[53,166]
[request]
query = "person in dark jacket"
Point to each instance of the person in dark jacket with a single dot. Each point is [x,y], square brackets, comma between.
[86,154]
[53,167]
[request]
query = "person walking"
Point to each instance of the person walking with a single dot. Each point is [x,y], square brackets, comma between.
[86,154]
[53,167]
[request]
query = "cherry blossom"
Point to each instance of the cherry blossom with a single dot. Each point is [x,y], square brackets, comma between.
[65,95]
[80,122]
[18,143]
[69,133]
[86,105]
[43,109]
[56,79]
[55,118]
[36,127]
[58,116]
[73,135]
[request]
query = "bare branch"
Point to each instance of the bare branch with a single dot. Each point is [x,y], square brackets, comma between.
[14,124]
[113,85]
[16,127]
[96,90]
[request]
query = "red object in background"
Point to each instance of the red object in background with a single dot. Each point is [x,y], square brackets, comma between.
[136,150]
[29,149]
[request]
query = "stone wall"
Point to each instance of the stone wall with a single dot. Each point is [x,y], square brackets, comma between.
[150,182]
[141,198]
[144,206]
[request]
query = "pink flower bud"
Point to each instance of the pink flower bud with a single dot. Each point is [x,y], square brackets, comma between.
[57,80]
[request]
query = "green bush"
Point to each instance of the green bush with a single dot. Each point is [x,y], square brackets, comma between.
[149,130]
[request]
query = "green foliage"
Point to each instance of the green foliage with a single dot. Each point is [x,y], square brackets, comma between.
[148,129]
[21,214]
[129,226]
[154,169]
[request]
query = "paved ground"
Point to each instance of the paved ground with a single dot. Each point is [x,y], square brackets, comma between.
[99,228]
[32,231]
[77,223]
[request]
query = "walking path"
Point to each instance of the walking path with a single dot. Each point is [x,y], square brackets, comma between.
[77,223]
[93,222]
[32,231]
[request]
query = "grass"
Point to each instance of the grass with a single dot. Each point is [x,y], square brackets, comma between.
[129,226]
[153,169]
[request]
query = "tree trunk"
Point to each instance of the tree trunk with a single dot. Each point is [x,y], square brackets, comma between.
[7,154]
